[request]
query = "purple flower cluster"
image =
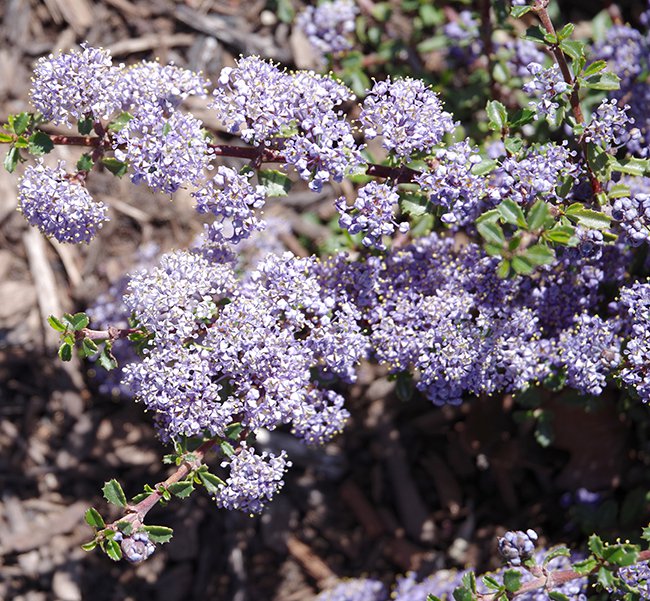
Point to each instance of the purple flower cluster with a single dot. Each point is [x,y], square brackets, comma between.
[165,153]
[407,114]
[536,174]
[359,589]
[76,85]
[150,84]
[252,481]
[294,113]
[635,302]
[546,85]
[329,25]
[637,578]
[231,198]
[610,126]
[58,205]
[522,53]
[373,213]
[626,50]
[450,183]
[441,584]
[589,351]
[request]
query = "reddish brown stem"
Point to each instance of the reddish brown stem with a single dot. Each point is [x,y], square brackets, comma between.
[574,99]
[111,333]
[137,513]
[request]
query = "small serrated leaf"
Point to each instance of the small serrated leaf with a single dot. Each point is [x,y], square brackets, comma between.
[113,550]
[85,126]
[181,489]
[512,580]
[94,519]
[114,166]
[556,552]
[511,213]
[159,534]
[40,143]
[120,122]
[557,596]
[484,167]
[234,430]
[20,122]
[113,493]
[89,546]
[586,566]
[11,159]
[78,321]
[226,448]
[106,359]
[538,215]
[491,232]
[274,182]
[56,324]
[497,115]
[89,347]
[211,482]
[65,351]
[85,163]
[601,81]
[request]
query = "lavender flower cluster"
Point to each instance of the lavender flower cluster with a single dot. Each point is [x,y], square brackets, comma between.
[328,26]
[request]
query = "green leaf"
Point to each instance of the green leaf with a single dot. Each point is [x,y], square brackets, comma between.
[404,387]
[566,31]
[274,182]
[113,550]
[114,166]
[557,552]
[586,566]
[555,596]
[88,347]
[227,448]
[497,115]
[106,359]
[491,232]
[56,324]
[12,158]
[595,67]
[234,430]
[560,234]
[285,11]
[646,533]
[159,534]
[513,145]
[573,48]
[511,213]
[94,519]
[630,166]
[85,163]
[19,122]
[113,493]
[602,81]
[621,555]
[522,117]
[492,216]
[432,597]
[596,545]
[65,351]
[120,122]
[181,489]
[503,270]
[618,191]
[491,583]
[21,142]
[78,321]
[125,527]
[85,126]
[522,265]
[588,218]
[89,546]
[535,34]
[606,578]
[462,593]
[40,143]
[512,580]
[539,254]
[484,167]
[211,482]
[519,11]
[5,138]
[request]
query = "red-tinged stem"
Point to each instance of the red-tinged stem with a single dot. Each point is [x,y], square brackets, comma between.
[551,580]
[137,513]
[540,8]
[111,333]
[401,175]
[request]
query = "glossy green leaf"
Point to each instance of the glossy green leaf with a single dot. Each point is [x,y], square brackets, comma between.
[120,122]
[88,347]
[211,482]
[573,48]
[511,213]
[181,489]
[19,122]
[114,166]
[11,159]
[94,519]
[491,232]
[538,254]
[113,493]
[484,167]
[56,324]
[89,546]
[538,215]
[85,126]
[274,182]
[588,218]
[159,534]
[65,351]
[40,143]
[586,566]
[602,81]
[85,163]
[560,234]
[497,115]
[113,550]
[512,580]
